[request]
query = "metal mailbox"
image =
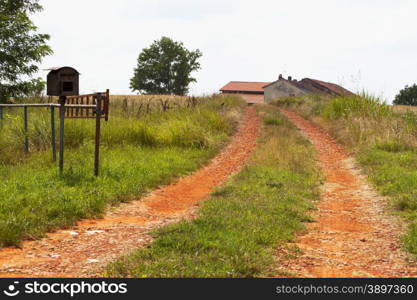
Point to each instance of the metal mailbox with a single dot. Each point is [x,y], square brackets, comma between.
[63,81]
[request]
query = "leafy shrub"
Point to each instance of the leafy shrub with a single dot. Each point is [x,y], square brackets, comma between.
[407,96]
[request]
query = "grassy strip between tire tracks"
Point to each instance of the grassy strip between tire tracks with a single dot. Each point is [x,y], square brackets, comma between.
[239,228]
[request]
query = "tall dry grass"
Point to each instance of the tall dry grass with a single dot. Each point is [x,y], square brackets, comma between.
[136,120]
[358,121]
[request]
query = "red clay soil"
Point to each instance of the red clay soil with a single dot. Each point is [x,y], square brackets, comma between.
[253,98]
[85,249]
[353,234]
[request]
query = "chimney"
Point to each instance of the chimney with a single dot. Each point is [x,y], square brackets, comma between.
[289,78]
[280,77]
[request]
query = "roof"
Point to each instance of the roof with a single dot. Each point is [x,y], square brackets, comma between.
[245,86]
[337,89]
[315,86]
[271,83]
[55,69]
[292,82]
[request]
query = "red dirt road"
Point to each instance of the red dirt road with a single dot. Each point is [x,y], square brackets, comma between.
[253,98]
[353,234]
[85,249]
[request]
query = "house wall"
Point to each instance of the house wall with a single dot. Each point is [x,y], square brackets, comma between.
[281,88]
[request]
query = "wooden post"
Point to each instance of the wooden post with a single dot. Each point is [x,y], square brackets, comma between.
[62,100]
[1,116]
[106,105]
[53,138]
[25,126]
[97,146]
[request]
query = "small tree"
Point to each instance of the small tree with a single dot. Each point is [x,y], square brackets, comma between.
[407,96]
[38,87]
[165,68]
[21,48]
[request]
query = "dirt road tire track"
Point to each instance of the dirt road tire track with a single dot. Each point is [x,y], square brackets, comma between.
[85,249]
[353,234]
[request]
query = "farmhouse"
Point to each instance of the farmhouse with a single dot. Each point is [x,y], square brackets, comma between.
[292,87]
[283,88]
[259,92]
[252,92]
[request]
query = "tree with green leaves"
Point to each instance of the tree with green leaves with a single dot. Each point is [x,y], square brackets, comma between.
[407,96]
[21,48]
[165,68]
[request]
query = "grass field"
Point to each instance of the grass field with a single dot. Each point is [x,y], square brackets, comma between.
[150,127]
[404,108]
[384,140]
[138,154]
[239,228]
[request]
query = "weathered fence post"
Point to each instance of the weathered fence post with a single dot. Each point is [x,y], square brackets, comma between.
[106,105]
[62,100]
[25,127]
[97,146]
[1,116]
[53,139]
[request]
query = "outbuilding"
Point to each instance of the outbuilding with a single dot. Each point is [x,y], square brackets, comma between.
[293,88]
[283,88]
[251,91]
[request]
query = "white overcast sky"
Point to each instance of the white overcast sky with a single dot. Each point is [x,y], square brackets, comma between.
[361,44]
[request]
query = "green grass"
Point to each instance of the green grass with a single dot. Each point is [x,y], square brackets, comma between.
[384,142]
[137,155]
[363,106]
[203,126]
[238,229]
[272,121]
[393,171]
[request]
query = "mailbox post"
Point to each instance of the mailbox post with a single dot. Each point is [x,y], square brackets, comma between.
[62,100]
[62,82]
[98,128]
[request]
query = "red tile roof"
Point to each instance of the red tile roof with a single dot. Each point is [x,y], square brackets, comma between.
[337,89]
[244,86]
